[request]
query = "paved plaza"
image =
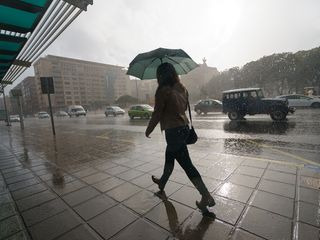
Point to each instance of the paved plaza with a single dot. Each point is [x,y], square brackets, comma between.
[91,185]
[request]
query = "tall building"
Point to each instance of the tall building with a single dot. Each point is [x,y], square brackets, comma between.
[79,82]
[30,96]
[143,90]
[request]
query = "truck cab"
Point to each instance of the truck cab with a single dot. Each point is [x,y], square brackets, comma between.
[239,102]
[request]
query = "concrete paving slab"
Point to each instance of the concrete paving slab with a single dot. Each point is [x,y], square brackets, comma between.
[141,229]
[266,224]
[273,203]
[283,189]
[82,232]
[169,215]
[227,210]
[112,221]
[309,213]
[235,192]
[123,191]
[44,211]
[94,206]
[142,202]
[54,226]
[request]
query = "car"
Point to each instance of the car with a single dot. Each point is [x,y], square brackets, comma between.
[141,111]
[14,118]
[61,114]
[208,105]
[76,110]
[43,115]
[239,102]
[114,111]
[299,100]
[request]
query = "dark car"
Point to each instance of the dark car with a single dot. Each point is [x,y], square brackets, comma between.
[114,111]
[239,102]
[208,105]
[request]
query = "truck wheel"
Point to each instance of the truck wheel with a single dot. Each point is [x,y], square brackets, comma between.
[234,115]
[131,117]
[198,111]
[146,116]
[315,105]
[278,115]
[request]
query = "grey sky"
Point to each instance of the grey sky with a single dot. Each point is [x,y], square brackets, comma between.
[227,33]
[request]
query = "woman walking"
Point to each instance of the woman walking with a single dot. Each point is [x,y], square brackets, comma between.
[171,101]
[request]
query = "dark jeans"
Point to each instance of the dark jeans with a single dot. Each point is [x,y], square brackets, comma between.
[177,149]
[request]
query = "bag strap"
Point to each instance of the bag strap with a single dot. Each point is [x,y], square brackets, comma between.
[189,110]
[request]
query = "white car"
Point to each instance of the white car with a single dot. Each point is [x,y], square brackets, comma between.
[14,118]
[43,115]
[76,110]
[114,111]
[299,100]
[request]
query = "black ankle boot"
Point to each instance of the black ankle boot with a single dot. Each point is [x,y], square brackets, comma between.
[157,181]
[206,200]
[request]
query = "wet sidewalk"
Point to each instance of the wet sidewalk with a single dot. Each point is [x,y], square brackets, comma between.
[111,195]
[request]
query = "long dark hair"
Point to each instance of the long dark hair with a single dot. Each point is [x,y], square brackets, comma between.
[167,75]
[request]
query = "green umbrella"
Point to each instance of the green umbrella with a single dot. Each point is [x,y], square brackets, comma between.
[144,65]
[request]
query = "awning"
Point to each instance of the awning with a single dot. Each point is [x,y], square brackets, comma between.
[28,27]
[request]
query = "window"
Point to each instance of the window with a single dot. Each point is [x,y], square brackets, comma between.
[254,94]
[292,97]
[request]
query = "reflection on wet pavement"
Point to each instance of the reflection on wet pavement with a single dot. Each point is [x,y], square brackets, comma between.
[259,127]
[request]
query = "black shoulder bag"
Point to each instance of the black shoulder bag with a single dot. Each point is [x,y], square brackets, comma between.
[193,137]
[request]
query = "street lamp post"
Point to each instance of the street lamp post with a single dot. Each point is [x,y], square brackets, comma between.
[137,89]
[5,106]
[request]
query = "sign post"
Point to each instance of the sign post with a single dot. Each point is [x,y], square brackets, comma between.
[48,87]
[18,94]
[5,106]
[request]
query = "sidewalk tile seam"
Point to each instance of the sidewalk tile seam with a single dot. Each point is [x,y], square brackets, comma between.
[48,187]
[18,215]
[245,230]
[251,197]
[277,194]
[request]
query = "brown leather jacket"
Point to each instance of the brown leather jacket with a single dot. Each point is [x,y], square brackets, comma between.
[170,107]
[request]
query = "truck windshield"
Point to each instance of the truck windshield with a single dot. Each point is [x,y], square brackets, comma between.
[260,93]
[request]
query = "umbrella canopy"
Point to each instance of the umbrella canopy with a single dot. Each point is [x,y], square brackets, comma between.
[144,65]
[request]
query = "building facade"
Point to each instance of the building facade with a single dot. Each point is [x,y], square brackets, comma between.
[30,96]
[77,82]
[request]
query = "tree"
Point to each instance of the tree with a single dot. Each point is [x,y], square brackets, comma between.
[277,74]
[126,100]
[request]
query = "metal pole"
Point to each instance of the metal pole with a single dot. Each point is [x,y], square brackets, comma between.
[137,90]
[20,113]
[5,106]
[51,115]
